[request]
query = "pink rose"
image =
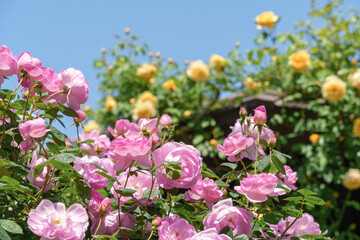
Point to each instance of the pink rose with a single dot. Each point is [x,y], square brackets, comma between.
[225,214]
[100,145]
[165,120]
[31,129]
[209,234]
[290,178]
[83,167]
[134,131]
[175,228]
[235,144]
[140,182]
[257,187]
[49,81]
[260,115]
[40,180]
[122,126]
[125,150]
[303,226]
[51,220]
[110,223]
[191,164]
[82,116]
[96,204]
[75,90]
[149,125]
[204,190]
[30,68]
[8,63]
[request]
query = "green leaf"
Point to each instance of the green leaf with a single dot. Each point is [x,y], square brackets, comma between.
[278,164]
[9,180]
[173,171]
[105,175]
[3,234]
[56,133]
[11,226]
[60,165]
[64,157]
[3,154]
[154,193]
[242,237]
[69,112]
[41,106]
[220,183]
[295,199]
[263,162]
[198,139]
[53,147]
[126,192]
[306,192]
[229,165]
[39,168]
[314,200]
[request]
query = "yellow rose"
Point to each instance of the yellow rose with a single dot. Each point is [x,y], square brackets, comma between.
[146,71]
[333,89]
[314,138]
[143,110]
[250,83]
[91,125]
[187,113]
[217,62]
[300,60]
[266,19]
[198,71]
[213,142]
[132,100]
[352,179]
[169,85]
[354,79]
[110,103]
[148,96]
[356,128]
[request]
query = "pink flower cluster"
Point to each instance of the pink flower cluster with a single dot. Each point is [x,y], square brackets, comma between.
[99,146]
[67,87]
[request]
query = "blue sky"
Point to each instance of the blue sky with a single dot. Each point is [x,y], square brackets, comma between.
[66,33]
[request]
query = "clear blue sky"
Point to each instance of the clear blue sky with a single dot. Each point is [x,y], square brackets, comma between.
[66,33]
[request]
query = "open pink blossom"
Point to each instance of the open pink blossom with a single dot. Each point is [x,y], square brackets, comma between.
[149,125]
[29,68]
[30,130]
[225,214]
[260,115]
[122,126]
[52,221]
[49,81]
[75,90]
[100,145]
[96,181]
[134,131]
[8,63]
[125,150]
[110,223]
[204,190]
[191,164]
[290,178]
[303,226]
[139,181]
[175,228]
[40,180]
[257,187]
[209,234]
[165,120]
[235,144]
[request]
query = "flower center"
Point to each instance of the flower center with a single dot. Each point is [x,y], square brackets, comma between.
[56,221]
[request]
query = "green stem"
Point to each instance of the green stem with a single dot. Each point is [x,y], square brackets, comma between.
[257,145]
[97,229]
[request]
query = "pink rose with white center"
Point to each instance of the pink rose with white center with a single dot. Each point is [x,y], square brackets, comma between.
[204,190]
[257,187]
[8,63]
[191,164]
[110,223]
[149,125]
[235,144]
[32,129]
[303,226]
[139,182]
[75,90]
[165,120]
[175,228]
[260,115]
[125,150]
[122,126]
[52,221]
[100,145]
[96,181]
[209,234]
[40,180]
[225,214]
[30,67]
